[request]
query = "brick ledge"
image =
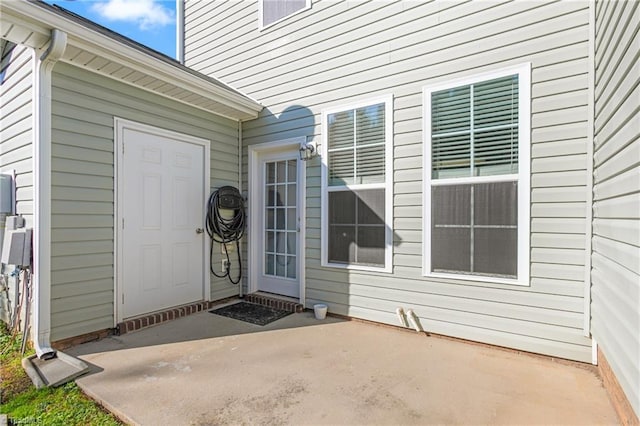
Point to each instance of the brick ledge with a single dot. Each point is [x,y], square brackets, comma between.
[619,400]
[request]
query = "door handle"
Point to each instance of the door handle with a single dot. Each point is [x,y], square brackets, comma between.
[199,230]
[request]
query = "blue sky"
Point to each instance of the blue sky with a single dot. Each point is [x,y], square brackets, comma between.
[150,22]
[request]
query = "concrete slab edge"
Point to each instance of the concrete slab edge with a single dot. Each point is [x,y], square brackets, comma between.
[31,371]
[109,407]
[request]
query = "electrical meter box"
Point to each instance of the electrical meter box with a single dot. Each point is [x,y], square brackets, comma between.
[6,194]
[16,249]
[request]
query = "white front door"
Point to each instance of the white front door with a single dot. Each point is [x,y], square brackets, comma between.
[161,177]
[279,242]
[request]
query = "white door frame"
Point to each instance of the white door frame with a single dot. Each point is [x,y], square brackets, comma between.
[119,125]
[255,217]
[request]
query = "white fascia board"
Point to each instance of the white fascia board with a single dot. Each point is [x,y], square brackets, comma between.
[41,21]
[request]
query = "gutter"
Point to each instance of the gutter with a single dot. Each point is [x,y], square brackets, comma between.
[180,31]
[86,35]
[42,193]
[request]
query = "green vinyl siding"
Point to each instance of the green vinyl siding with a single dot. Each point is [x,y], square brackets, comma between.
[615,270]
[345,52]
[84,107]
[16,147]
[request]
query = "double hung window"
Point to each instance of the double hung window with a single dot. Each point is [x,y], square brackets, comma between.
[477,177]
[356,186]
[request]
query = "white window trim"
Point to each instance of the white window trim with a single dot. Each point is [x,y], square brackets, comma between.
[261,15]
[387,185]
[523,176]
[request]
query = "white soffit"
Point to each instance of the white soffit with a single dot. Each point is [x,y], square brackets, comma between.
[100,51]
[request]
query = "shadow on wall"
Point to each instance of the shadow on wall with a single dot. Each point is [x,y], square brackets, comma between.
[294,121]
[357,231]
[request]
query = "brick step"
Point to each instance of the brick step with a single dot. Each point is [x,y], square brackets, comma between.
[155,318]
[274,302]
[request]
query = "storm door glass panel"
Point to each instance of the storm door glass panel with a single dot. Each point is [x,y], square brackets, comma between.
[280,219]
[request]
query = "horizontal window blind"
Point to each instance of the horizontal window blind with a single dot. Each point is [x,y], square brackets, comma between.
[474,129]
[356,146]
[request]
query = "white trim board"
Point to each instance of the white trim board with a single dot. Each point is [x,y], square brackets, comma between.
[523,176]
[387,185]
[119,126]
[254,185]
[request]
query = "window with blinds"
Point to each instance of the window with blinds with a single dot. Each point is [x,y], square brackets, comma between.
[356,186]
[274,10]
[475,129]
[357,146]
[476,187]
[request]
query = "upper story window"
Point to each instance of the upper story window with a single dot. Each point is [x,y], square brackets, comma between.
[272,11]
[6,48]
[357,186]
[476,177]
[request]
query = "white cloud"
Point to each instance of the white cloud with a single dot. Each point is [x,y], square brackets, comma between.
[146,13]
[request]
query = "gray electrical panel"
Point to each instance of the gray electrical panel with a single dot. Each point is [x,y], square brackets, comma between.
[6,194]
[16,249]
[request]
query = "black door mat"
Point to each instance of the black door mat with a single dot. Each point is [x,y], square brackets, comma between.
[251,313]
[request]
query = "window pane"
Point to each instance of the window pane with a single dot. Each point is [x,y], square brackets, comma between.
[291,267]
[370,125]
[451,205]
[291,194]
[496,152]
[270,264]
[370,164]
[270,218]
[341,165]
[280,218]
[342,244]
[271,195]
[281,194]
[496,251]
[271,172]
[291,243]
[273,10]
[270,244]
[292,171]
[371,245]
[451,110]
[451,156]
[281,171]
[341,129]
[342,207]
[450,250]
[496,203]
[371,206]
[292,221]
[280,242]
[281,266]
[495,102]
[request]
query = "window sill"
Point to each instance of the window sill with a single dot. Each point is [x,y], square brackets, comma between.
[385,269]
[478,278]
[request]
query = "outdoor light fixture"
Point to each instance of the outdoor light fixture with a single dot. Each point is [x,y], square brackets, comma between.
[307,151]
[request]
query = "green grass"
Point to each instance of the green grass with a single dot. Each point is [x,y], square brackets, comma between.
[24,404]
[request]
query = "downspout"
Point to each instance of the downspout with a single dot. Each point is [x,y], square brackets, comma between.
[589,190]
[240,284]
[42,194]
[180,31]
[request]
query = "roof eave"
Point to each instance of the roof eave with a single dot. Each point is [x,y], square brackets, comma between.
[42,21]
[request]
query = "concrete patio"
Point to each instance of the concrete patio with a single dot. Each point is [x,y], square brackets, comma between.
[208,370]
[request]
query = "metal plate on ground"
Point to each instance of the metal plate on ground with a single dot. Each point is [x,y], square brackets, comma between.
[55,371]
